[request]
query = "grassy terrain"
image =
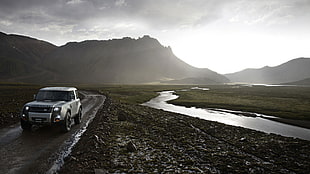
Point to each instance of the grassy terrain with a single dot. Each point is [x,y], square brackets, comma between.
[285,102]
[137,94]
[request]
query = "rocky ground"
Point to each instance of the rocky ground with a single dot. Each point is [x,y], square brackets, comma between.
[127,138]
[9,116]
[12,99]
[7,119]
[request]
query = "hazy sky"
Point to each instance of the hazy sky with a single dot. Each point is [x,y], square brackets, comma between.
[222,35]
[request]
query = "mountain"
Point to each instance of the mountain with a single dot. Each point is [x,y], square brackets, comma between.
[21,57]
[304,82]
[293,70]
[124,60]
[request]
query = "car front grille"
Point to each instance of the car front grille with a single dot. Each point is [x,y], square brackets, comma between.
[40,109]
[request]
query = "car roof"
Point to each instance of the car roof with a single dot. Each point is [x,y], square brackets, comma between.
[58,89]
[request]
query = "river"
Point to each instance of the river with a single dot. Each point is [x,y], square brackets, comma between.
[259,122]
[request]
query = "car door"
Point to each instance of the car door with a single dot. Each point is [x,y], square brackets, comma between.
[74,103]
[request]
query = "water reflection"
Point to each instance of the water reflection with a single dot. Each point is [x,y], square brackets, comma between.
[229,117]
[204,89]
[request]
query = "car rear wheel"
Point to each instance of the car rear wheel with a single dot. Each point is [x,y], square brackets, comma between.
[78,118]
[66,126]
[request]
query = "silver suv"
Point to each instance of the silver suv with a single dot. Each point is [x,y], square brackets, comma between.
[53,105]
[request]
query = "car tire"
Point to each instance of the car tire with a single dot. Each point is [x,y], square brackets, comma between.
[25,125]
[78,117]
[66,126]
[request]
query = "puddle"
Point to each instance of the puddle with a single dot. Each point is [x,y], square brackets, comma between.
[70,143]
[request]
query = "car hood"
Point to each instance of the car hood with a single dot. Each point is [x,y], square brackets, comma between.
[45,103]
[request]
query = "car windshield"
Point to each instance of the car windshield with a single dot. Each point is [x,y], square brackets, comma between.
[53,95]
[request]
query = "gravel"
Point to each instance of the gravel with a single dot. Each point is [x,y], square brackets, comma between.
[127,138]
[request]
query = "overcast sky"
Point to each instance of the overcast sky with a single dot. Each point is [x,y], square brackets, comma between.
[222,35]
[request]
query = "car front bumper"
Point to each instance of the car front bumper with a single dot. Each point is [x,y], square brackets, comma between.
[42,118]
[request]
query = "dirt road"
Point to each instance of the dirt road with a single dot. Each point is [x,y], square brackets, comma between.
[42,150]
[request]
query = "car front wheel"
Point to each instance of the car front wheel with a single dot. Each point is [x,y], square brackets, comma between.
[78,118]
[66,126]
[25,125]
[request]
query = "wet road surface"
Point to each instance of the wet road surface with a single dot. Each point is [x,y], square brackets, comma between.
[40,150]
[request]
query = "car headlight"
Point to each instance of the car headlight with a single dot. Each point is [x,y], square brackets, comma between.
[57,109]
[26,108]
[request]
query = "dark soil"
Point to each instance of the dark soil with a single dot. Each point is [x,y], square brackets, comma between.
[127,138]
[7,119]
[12,99]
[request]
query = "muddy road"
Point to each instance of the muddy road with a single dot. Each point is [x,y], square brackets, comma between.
[42,149]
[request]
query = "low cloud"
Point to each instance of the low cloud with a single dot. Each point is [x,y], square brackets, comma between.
[128,17]
[159,14]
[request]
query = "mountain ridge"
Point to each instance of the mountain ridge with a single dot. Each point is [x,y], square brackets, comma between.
[290,71]
[304,82]
[18,54]
[125,60]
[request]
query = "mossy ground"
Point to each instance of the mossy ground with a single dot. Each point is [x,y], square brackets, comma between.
[281,101]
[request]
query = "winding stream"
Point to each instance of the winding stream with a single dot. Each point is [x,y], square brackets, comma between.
[234,118]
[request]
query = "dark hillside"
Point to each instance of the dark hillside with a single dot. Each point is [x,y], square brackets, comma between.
[126,60]
[21,56]
[304,82]
[123,61]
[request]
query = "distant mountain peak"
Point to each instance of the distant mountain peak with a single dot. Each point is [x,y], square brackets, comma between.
[297,60]
[147,37]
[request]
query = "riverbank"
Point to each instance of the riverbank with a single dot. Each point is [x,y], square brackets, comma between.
[299,123]
[289,103]
[247,120]
[131,138]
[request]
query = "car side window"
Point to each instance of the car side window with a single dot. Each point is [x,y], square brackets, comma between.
[77,94]
[72,97]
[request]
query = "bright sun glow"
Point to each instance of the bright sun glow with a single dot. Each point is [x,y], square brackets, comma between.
[227,52]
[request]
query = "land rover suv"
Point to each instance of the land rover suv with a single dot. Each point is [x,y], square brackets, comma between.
[53,105]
